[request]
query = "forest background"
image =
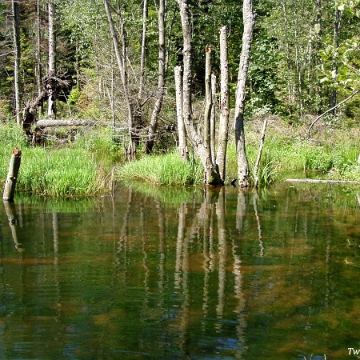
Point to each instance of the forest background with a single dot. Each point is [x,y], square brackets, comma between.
[304,61]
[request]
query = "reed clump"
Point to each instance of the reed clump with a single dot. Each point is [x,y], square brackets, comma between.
[165,169]
[55,172]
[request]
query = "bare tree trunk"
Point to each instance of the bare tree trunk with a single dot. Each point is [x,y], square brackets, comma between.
[224,105]
[121,60]
[242,162]
[10,183]
[213,119]
[17,53]
[211,177]
[337,19]
[179,114]
[208,102]
[161,77]
[51,86]
[257,164]
[143,50]
[38,67]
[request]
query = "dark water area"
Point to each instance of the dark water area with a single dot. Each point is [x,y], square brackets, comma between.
[172,274]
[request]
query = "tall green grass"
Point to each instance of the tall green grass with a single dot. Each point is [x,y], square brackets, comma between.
[62,172]
[58,172]
[167,169]
[82,167]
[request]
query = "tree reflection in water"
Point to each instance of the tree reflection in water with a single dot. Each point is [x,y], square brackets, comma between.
[213,274]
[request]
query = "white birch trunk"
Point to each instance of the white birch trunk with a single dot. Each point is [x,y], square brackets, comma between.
[17,56]
[208,102]
[143,50]
[179,114]
[161,77]
[242,162]
[224,104]
[121,60]
[52,62]
[213,119]
[211,177]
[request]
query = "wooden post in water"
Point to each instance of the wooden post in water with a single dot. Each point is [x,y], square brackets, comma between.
[14,166]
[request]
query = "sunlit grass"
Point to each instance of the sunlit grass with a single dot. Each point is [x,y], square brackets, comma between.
[168,169]
[80,168]
[56,172]
[62,172]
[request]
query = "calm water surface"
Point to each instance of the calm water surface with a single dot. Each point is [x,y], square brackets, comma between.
[150,274]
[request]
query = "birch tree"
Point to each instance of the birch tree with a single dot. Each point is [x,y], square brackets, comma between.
[17,55]
[161,77]
[51,85]
[38,65]
[211,176]
[121,58]
[242,162]
[224,104]
[182,146]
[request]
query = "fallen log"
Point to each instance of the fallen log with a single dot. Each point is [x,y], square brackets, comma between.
[56,123]
[316,181]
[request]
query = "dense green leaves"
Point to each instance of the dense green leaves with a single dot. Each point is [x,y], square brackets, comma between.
[297,60]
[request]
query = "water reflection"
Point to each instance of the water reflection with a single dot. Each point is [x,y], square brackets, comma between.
[193,275]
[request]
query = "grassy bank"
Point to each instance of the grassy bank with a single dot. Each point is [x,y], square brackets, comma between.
[84,167]
[79,169]
[329,154]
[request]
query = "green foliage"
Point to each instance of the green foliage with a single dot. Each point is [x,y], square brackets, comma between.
[5,110]
[12,135]
[74,96]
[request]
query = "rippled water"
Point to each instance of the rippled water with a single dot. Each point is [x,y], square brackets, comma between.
[150,274]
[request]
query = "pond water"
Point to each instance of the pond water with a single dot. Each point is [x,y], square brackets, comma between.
[163,274]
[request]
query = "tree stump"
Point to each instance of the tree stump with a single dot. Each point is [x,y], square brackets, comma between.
[14,166]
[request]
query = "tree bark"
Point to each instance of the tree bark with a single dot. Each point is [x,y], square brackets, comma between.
[208,102]
[179,114]
[242,162]
[224,104]
[143,49]
[213,119]
[161,77]
[121,60]
[315,181]
[211,177]
[17,56]
[337,19]
[10,184]
[51,85]
[257,164]
[56,123]
[38,67]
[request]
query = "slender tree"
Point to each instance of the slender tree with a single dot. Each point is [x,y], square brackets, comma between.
[182,147]
[162,64]
[208,103]
[38,64]
[337,21]
[51,81]
[242,162]
[121,57]
[224,104]
[17,56]
[143,50]
[211,176]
